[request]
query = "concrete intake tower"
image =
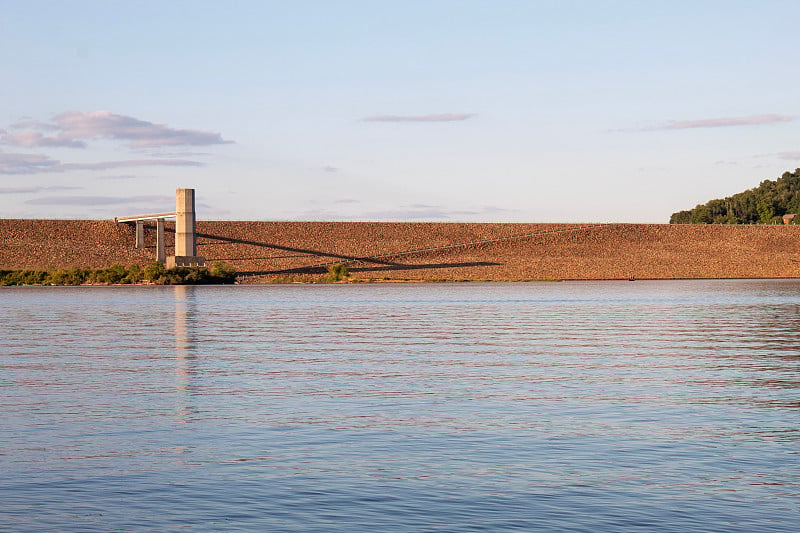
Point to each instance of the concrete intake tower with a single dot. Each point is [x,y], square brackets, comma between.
[185,231]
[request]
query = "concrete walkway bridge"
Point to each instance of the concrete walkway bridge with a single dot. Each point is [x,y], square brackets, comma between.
[185,231]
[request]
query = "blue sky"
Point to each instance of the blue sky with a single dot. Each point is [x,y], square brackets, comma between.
[517,111]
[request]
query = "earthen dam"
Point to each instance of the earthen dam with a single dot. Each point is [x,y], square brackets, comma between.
[394,251]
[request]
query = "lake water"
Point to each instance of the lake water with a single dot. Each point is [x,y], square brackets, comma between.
[612,406]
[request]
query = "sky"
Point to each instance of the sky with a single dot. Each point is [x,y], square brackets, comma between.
[448,110]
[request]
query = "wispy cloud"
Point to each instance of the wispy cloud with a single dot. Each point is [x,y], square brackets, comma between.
[25,163]
[100,200]
[17,163]
[35,139]
[118,177]
[106,165]
[29,122]
[20,190]
[409,212]
[722,122]
[416,214]
[434,212]
[31,190]
[74,128]
[790,156]
[162,153]
[440,117]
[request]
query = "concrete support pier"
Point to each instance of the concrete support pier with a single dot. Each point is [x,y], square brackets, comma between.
[140,233]
[161,245]
[185,232]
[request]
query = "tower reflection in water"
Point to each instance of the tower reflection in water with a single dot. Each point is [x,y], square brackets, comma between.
[185,349]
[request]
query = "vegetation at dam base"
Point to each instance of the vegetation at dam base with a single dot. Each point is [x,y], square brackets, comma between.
[335,273]
[153,274]
[156,274]
[765,204]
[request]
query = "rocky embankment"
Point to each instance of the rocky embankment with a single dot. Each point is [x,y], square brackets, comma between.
[426,251]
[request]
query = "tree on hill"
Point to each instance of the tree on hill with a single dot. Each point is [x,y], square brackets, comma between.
[764,204]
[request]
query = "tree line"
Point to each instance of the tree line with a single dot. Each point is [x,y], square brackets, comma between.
[765,204]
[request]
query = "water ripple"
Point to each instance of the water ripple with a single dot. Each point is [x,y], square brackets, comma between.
[455,407]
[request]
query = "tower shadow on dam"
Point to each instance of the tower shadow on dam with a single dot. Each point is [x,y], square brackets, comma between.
[378,264]
[318,269]
[303,251]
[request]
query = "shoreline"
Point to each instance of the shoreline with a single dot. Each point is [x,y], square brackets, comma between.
[394,282]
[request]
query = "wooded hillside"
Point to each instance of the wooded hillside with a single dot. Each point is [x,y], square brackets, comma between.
[765,204]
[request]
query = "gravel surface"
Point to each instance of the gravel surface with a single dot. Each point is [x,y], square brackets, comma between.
[425,251]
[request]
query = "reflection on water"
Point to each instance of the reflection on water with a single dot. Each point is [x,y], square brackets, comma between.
[184,321]
[558,406]
[184,345]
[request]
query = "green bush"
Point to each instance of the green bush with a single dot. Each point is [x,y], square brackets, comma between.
[113,274]
[22,277]
[194,275]
[134,275]
[223,273]
[337,272]
[154,272]
[73,276]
